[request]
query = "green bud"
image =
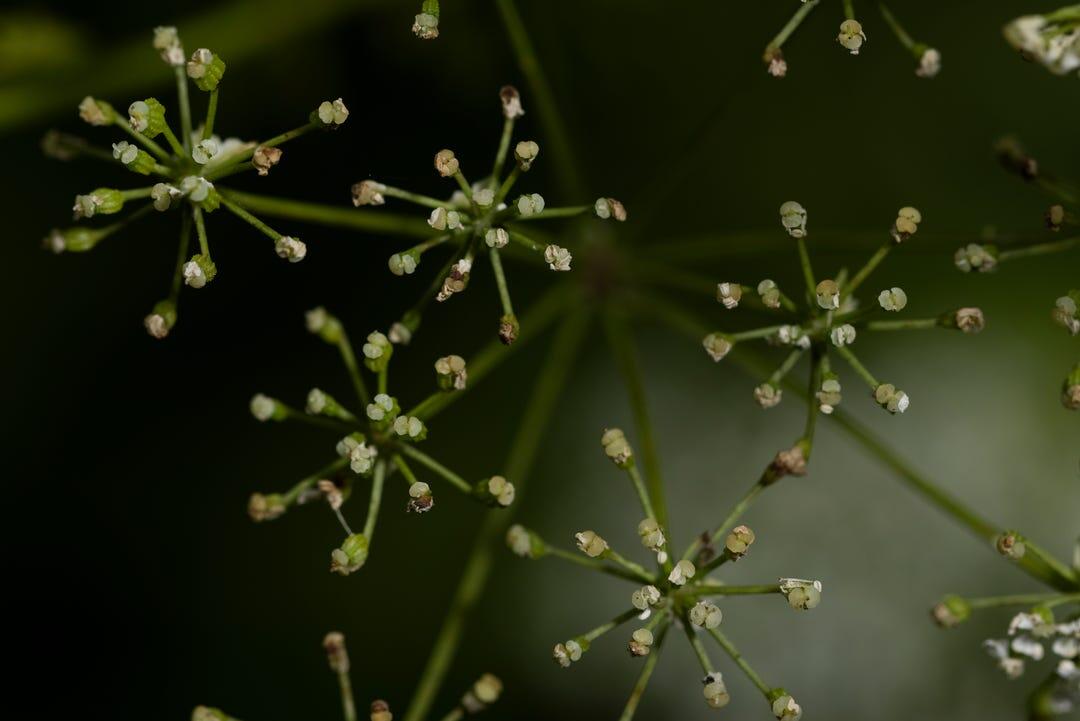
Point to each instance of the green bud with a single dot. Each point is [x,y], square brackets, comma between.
[320,403]
[76,240]
[951,611]
[96,112]
[350,556]
[326,326]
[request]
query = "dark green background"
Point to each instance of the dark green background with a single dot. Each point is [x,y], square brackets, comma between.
[140,586]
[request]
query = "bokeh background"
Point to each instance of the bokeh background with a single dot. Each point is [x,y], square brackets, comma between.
[141,588]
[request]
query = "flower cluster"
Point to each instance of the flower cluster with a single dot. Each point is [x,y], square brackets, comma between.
[830,319]
[851,38]
[481,218]
[673,592]
[484,692]
[187,170]
[373,444]
[1052,40]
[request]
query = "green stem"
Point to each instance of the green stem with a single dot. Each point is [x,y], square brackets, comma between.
[477,569]
[554,128]
[200,230]
[849,9]
[792,24]
[619,620]
[807,270]
[1038,249]
[406,470]
[646,673]
[500,281]
[348,705]
[507,184]
[864,272]
[896,27]
[211,114]
[715,589]
[785,367]
[290,496]
[727,523]
[331,215]
[622,345]
[697,645]
[439,469]
[1025,599]
[1056,567]
[845,353]
[596,565]
[423,200]
[754,334]
[912,324]
[348,357]
[526,242]
[500,154]
[378,479]
[174,143]
[244,215]
[631,567]
[639,488]
[185,108]
[549,213]
[733,652]
[181,256]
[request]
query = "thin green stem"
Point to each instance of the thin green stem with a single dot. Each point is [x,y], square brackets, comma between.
[348,705]
[244,215]
[464,185]
[500,154]
[200,230]
[614,623]
[646,673]
[211,114]
[526,242]
[290,496]
[416,198]
[792,25]
[181,256]
[630,566]
[348,357]
[906,324]
[845,353]
[477,568]
[639,488]
[377,481]
[596,565]
[554,128]
[717,589]
[849,9]
[142,140]
[727,523]
[334,424]
[507,184]
[807,269]
[500,282]
[875,260]
[896,27]
[406,470]
[1057,567]
[754,334]
[697,645]
[173,142]
[439,469]
[622,346]
[549,213]
[331,215]
[1025,599]
[1038,249]
[185,108]
[741,662]
[785,367]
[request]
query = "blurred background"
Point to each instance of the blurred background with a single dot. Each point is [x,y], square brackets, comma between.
[141,587]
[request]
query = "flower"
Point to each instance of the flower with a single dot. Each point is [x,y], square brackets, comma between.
[265,408]
[793,218]
[1065,312]
[609,208]
[530,204]
[264,158]
[651,534]
[426,26]
[738,542]
[420,498]
[496,238]
[350,556]
[716,693]
[929,63]
[828,295]
[969,320]
[591,544]
[511,102]
[790,462]
[998,649]
[682,572]
[451,372]
[786,709]
[525,153]
[557,258]
[617,448]
[801,594]
[973,256]
[446,163]
[292,249]
[717,345]
[1053,45]
[891,399]
[769,293]
[645,597]
[706,614]
[565,653]
[729,294]
[843,335]
[206,69]
[266,507]
[851,36]
[829,396]
[641,642]
[332,113]
[167,41]
[951,611]
[906,223]
[767,395]
[892,299]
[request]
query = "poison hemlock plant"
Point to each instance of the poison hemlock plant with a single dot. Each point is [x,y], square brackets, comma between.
[851,37]
[484,692]
[674,593]
[375,444]
[188,170]
[481,218]
[1048,621]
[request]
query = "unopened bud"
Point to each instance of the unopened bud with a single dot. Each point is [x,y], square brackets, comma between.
[336,653]
[1011,545]
[738,542]
[729,295]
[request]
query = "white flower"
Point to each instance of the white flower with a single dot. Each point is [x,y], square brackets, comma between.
[717,346]
[399,333]
[829,396]
[451,372]
[443,219]
[652,536]
[167,42]
[264,158]
[426,26]
[196,187]
[801,594]
[376,345]
[139,115]
[402,263]
[511,102]
[716,693]
[194,275]
[381,405]
[86,205]
[1066,647]
[501,490]
[205,151]
[828,294]
[729,294]
[333,112]
[90,111]
[263,407]
[777,65]
[929,63]
[892,299]
[618,449]
[531,204]
[770,294]
[199,63]
[446,163]
[525,153]
[641,642]
[767,395]
[1027,646]
[519,540]
[316,401]
[793,335]
[645,597]
[484,197]
[999,650]
[891,399]
[785,708]
[975,257]
[410,426]
[843,335]
[420,499]
[682,572]
[609,208]
[163,195]
[906,223]
[793,218]
[706,614]
[851,36]
[591,544]
[496,237]
[125,152]
[1052,46]
[362,457]
[292,249]
[368,192]
[557,258]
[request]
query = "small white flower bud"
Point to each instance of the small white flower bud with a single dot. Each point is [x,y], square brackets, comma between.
[334,497]
[443,219]
[511,102]
[1011,546]
[981,258]
[842,335]
[196,187]
[500,490]
[617,448]
[496,237]
[410,427]
[1065,312]
[451,372]
[851,36]
[265,408]
[729,294]
[738,542]
[591,544]
[368,192]
[706,615]
[682,572]
[380,711]
[785,708]
[403,263]
[651,534]
[793,335]
[524,542]
[892,299]
[205,69]
[525,153]
[566,653]
[95,112]
[716,693]
[350,556]
[829,396]
[484,197]
[167,42]
[399,334]
[969,320]
[266,507]
[125,152]
[530,204]
[645,597]
[789,462]
[767,395]
[332,113]
[801,594]
[717,345]
[265,158]
[205,151]
[828,295]
[793,218]
[557,258]
[336,653]
[163,196]
[484,692]
[362,458]
[906,223]
[446,163]
[377,351]
[381,406]
[929,63]
[291,249]
[893,400]
[426,26]
[769,293]
[609,208]
[641,642]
